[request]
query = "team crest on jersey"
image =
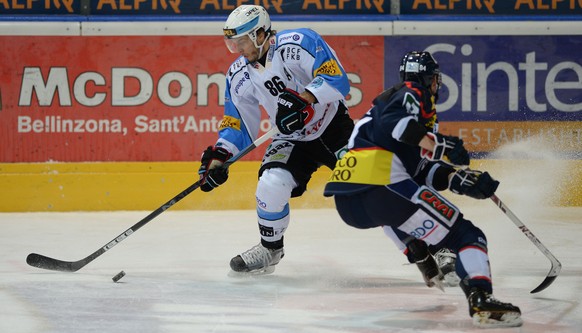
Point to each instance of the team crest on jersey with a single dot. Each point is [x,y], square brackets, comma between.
[411,104]
[230,122]
[329,67]
[316,83]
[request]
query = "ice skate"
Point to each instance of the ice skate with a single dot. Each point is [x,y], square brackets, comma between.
[488,312]
[426,263]
[257,260]
[431,274]
[446,261]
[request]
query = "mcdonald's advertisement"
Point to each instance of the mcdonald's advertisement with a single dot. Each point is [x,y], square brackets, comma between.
[134,98]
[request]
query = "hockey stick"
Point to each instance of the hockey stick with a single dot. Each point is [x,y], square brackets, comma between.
[40,261]
[556,265]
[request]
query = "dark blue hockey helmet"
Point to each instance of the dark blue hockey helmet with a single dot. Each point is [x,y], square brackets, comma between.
[419,67]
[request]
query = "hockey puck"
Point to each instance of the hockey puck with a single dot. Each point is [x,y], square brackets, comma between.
[118,276]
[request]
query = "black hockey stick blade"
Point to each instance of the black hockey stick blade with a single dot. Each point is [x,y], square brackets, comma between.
[40,261]
[552,275]
[44,262]
[546,283]
[556,265]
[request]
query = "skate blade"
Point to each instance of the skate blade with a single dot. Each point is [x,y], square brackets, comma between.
[436,282]
[451,280]
[510,319]
[257,272]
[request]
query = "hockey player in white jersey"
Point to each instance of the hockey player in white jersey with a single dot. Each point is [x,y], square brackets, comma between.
[298,79]
[390,178]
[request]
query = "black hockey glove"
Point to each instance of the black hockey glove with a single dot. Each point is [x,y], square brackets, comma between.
[293,112]
[472,183]
[211,171]
[447,146]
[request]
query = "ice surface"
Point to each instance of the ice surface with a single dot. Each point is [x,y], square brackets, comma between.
[333,278]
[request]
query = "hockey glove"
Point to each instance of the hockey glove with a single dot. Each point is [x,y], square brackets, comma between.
[472,183]
[447,146]
[211,171]
[293,112]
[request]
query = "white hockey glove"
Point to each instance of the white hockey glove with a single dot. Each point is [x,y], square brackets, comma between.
[450,147]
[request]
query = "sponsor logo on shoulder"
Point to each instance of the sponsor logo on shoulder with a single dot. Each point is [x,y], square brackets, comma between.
[329,67]
[292,37]
[229,122]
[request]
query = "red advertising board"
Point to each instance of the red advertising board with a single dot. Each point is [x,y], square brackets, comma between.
[134,98]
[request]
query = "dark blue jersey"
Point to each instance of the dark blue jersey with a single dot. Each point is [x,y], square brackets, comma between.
[383,148]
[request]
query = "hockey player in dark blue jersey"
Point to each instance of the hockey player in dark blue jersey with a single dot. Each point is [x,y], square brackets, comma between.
[300,82]
[390,177]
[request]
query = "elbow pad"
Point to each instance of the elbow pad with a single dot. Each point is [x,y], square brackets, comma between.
[412,133]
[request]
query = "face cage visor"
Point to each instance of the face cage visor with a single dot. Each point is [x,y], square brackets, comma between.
[234,45]
[439,80]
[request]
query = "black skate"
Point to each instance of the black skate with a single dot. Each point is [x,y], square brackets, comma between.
[257,260]
[432,275]
[488,312]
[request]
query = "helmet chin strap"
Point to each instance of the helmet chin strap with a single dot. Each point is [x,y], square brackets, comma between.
[260,47]
[438,87]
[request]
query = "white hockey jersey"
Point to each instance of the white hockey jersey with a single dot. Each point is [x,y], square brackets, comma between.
[297,59]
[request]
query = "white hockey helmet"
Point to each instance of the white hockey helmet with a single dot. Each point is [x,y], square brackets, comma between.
[245,20]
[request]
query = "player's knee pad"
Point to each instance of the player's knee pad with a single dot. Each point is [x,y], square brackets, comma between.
[272,195]
[274,189]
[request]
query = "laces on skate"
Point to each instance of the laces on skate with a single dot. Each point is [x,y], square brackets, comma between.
[257,260]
